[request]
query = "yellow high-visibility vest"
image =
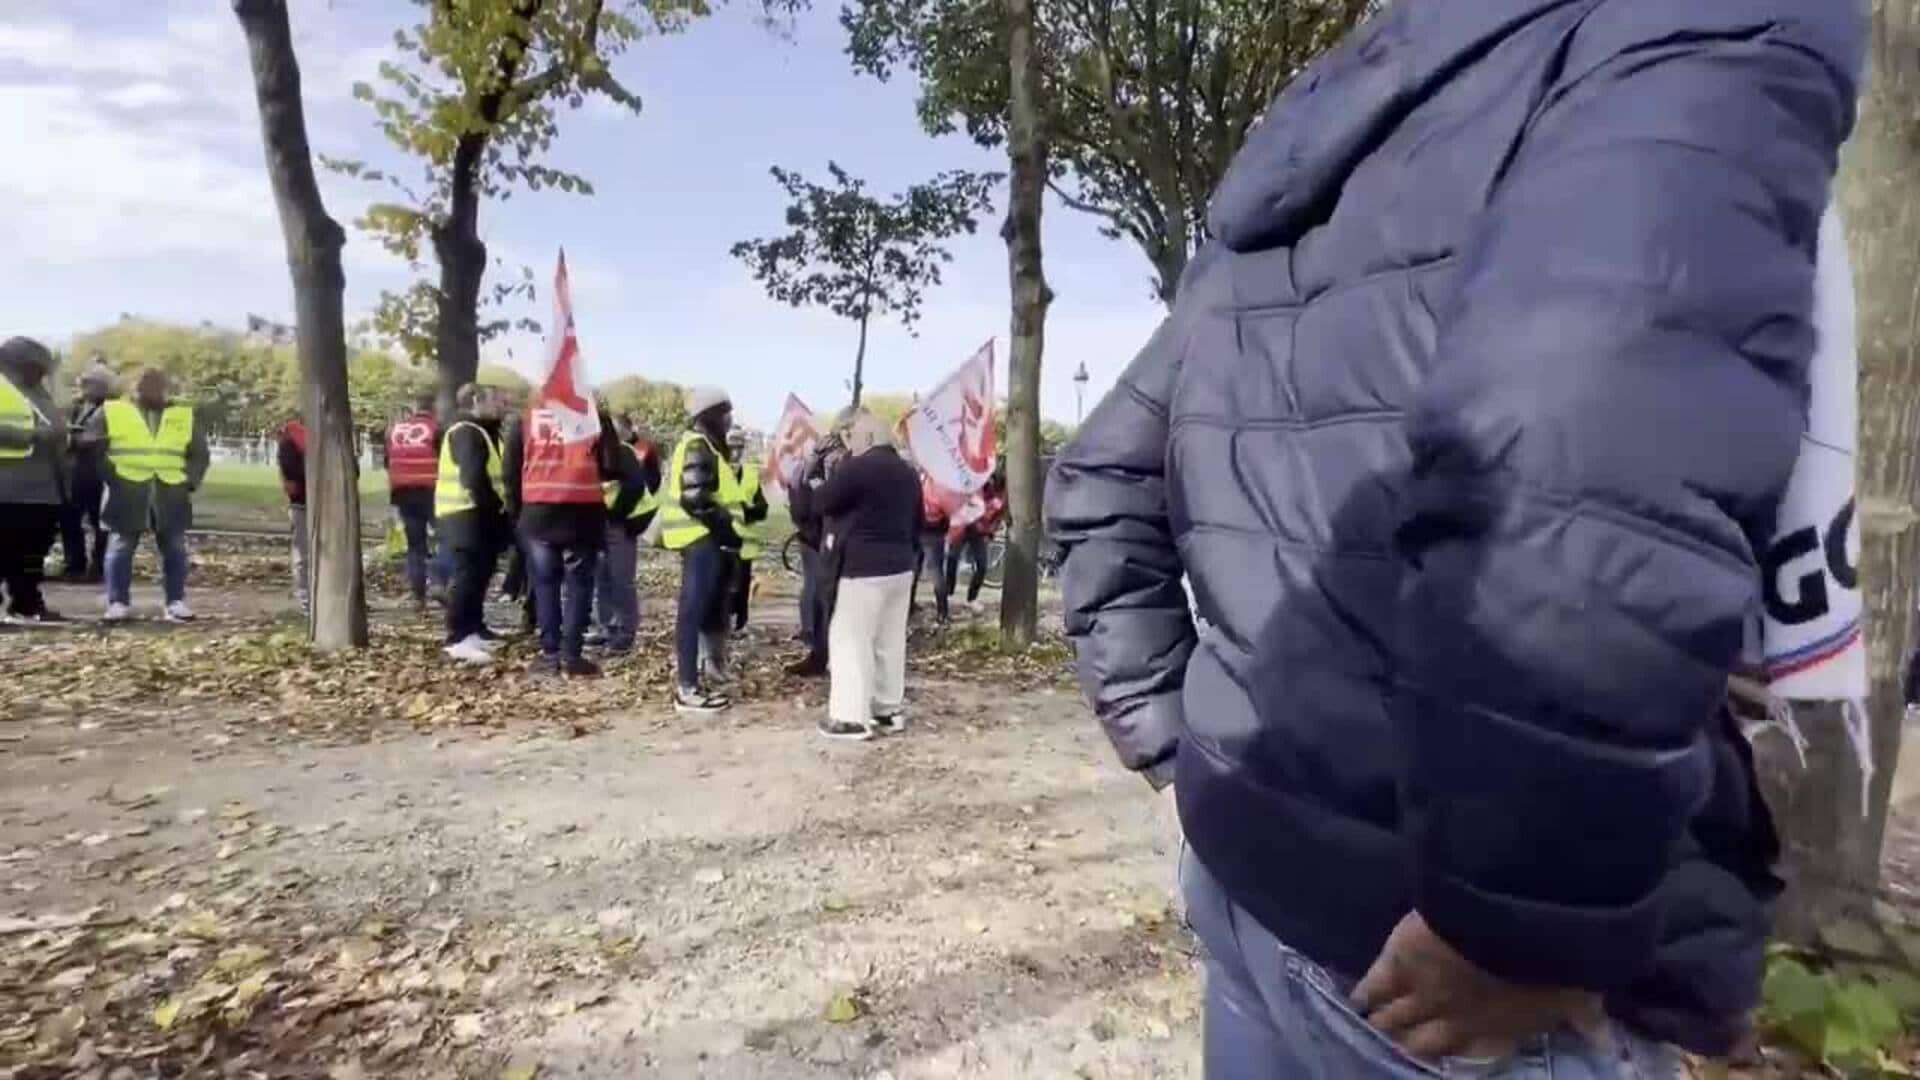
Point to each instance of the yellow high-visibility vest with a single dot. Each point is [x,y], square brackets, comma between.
[677,527]
[139,453]
[15,411]
[450,496]
[646,504]
[750,534]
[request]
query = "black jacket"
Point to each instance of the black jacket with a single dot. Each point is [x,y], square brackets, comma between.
[486,526]
[700,486]
[639,476]
[1464,430]
[872,507]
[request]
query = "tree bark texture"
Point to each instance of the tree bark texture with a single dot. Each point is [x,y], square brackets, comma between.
[860,362]
[314,240]
[1027,154]
[463,266]
[1832,853]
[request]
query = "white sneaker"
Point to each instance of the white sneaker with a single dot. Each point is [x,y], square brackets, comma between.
[488,643]
[178,612]
[117,612]
[470,650]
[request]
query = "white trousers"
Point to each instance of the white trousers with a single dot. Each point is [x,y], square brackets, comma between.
[867,647]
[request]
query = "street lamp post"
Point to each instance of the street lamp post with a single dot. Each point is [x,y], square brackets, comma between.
[1080,394]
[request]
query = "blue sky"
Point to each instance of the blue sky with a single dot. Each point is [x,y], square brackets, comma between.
[132,183]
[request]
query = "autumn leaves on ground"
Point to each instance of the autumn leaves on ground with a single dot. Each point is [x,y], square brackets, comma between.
[219,856]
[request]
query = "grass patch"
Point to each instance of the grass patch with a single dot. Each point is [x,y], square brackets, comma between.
[237,495]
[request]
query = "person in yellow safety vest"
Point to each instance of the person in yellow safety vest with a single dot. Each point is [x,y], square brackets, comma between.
[696,520]
[632,502]
[749,520]
[470,512]
[156,456]
[34,480]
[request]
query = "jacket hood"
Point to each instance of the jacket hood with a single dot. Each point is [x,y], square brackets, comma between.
[1288,176]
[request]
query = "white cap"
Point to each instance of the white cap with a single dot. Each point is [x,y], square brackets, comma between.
[702,398]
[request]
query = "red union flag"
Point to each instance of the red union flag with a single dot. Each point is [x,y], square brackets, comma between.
[949,432]
[792,444]
[563,428]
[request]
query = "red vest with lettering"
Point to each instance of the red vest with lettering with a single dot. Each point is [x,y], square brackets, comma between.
[557,469]
[413,461]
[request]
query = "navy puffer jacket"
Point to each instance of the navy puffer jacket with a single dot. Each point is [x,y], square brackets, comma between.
[1464,430]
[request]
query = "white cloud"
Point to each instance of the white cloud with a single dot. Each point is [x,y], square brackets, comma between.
[146,94]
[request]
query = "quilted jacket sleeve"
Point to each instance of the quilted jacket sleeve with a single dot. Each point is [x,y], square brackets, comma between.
[1618,395]
[1126,610]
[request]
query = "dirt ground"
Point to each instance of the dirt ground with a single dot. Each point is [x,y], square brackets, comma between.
[220,875]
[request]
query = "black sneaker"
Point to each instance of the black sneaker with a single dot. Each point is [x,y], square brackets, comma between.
[579,667]
[834,729]
[811,666]
[698,701]
[544,667]
[43,617]
[890,723]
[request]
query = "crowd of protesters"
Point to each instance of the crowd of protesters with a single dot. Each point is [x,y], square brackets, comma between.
[559,523]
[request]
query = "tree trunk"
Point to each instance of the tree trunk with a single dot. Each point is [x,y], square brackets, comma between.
[1027,158]
[314,240]
[860,362]
[463,266]
[1832,856]
[1169,264]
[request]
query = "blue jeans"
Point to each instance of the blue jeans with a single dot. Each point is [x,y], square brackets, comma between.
[554,570]
[173,566]
[616,599]
[416,519]
[1271,1013]
[813,600]
[706,574]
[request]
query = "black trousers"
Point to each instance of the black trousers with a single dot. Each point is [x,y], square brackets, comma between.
[742,592]
[974,546]
[26,533]
[79,524]
[467,593]
[931,553]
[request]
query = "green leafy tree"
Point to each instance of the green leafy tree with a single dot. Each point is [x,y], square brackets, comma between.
[1142,103]
[658,404]
[475,94]
[858,255]
[237,387]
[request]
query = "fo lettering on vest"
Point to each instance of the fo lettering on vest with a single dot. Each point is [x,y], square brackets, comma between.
[560,464]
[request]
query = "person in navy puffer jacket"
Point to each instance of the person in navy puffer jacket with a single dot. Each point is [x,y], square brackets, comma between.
[1464,429]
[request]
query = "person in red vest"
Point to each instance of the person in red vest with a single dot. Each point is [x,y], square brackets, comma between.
[413,466]
[292,458]
[554,484]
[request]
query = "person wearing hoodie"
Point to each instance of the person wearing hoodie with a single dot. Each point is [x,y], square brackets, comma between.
[156,456]
[33,476]
[1496,369]
[696,520]
[632,501]
[83,539]
[469,505]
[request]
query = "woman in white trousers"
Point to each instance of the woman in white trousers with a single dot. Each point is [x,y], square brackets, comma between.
[872,505]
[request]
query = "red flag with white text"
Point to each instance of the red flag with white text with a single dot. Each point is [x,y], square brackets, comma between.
[950,435]
[792,443]
[562,431]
